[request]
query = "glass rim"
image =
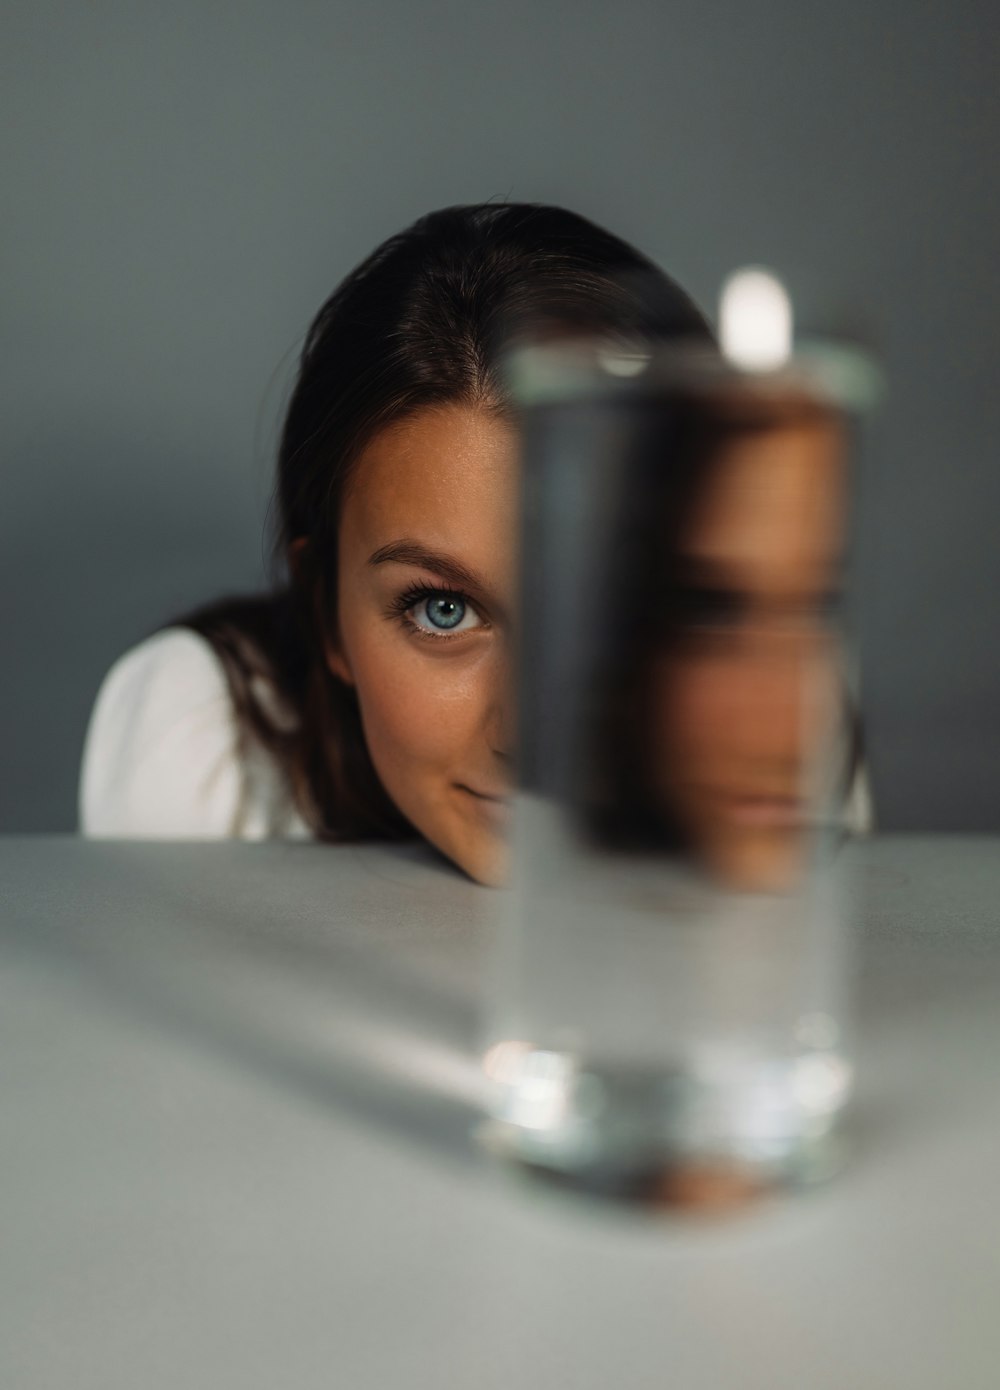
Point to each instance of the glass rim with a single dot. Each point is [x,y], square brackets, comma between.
[581,367]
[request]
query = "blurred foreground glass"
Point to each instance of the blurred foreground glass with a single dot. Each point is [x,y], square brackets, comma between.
[670,1019]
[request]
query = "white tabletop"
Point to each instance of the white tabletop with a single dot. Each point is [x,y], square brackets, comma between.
[235,1086]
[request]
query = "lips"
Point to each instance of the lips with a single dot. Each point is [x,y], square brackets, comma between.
[765,812]
[495,808]
[501,798]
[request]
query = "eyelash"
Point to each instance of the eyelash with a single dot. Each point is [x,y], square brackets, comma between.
[417,593]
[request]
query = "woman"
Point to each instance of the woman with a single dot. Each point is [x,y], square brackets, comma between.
[367,696]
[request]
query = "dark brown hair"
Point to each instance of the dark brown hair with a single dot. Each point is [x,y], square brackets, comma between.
[422,322]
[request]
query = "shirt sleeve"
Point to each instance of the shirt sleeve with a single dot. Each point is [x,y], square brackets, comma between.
[161,759]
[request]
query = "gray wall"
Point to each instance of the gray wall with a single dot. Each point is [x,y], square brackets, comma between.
[185,182]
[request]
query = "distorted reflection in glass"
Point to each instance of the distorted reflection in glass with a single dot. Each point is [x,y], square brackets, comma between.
[721,705]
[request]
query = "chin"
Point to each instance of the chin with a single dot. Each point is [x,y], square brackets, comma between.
[774,867]
[485,860]
[489,866]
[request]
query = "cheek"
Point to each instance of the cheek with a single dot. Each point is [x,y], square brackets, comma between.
[696,713]
[420,710]
[719,715]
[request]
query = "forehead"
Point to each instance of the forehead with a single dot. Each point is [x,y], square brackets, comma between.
[773,502]
[445,475]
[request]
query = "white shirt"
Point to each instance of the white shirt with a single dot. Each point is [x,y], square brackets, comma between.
[162,761]
[161,758]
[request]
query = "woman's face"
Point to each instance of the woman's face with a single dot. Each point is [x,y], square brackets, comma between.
[426,576]
[745,702]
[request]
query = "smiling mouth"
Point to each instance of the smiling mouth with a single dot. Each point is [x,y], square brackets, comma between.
[765,812]
[489,809]
[491,798]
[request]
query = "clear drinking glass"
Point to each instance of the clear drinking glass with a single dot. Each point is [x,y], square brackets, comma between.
[670,1015]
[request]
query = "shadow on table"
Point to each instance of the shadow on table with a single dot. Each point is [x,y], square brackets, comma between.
[345,992]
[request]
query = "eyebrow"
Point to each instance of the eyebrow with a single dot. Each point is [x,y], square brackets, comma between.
[409,552]
[708,569]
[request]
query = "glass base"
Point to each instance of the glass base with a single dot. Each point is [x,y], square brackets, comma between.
[670,1139]
[698,1185]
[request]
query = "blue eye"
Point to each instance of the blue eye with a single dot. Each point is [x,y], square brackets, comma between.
[445,611]
[436,612]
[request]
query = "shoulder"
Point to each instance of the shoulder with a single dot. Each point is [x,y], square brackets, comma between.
[175,665]
[161,757]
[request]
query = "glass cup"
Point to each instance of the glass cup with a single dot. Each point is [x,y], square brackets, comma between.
[670,1011]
